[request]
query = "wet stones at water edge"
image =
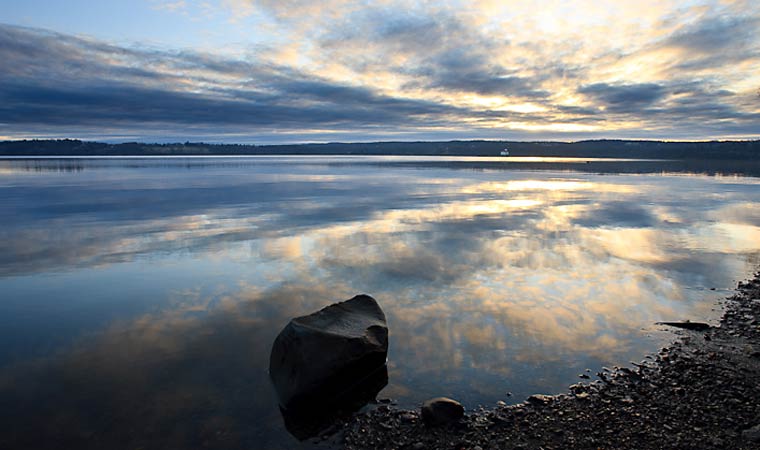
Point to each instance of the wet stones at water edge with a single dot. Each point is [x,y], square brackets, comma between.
[441,410]
[319,357]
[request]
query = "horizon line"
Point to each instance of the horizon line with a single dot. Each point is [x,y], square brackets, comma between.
[695,141]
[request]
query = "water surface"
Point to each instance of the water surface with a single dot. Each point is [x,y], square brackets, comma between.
[140,296]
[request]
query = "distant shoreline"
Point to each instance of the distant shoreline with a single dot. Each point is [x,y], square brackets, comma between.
[711,150]
[581,164]
[431,158]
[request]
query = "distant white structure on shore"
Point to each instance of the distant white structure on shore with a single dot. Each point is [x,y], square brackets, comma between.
[505,152]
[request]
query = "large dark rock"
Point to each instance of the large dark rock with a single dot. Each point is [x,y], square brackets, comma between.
[317,358]
[441,410]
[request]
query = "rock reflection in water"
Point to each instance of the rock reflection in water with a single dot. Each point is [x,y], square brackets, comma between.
[309,422]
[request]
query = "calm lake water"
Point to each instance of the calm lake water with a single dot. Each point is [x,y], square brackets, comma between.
[139,298]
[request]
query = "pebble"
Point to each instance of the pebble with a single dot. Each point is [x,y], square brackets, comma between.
[408,417]
[441,410]
[539,399]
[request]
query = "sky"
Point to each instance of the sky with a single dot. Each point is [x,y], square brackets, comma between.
[277,71]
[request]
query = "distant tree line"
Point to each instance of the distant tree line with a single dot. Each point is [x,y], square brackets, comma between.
[733,150]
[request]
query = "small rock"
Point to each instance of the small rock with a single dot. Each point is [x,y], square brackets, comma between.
[441,410]
[539,399]
[718,443]
[499,420]
[408,417]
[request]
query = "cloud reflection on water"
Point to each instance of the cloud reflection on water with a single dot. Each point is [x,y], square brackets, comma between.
[492,281]
[192,375]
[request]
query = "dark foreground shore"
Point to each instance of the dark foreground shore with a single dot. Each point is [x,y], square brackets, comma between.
[701,392]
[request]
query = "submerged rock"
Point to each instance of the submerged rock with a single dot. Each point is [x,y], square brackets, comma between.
[317,358]
[441,410]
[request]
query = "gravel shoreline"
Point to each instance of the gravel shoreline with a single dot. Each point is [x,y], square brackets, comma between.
[701,392]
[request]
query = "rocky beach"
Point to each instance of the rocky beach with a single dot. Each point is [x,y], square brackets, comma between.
[700,392]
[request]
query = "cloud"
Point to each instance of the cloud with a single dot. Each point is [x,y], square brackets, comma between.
[288,9]
[111,103]
[170,5]
[624,214]
[96,89]
[624,97]
[713,42]
[433,49]
[716,34]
